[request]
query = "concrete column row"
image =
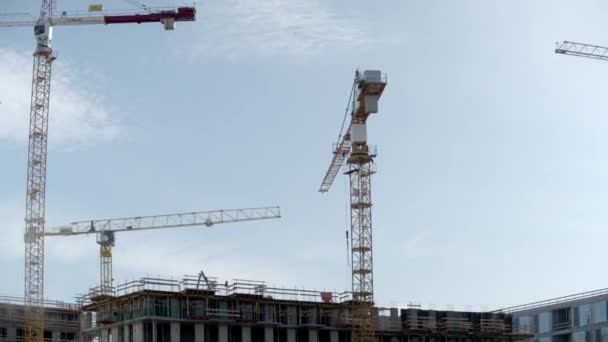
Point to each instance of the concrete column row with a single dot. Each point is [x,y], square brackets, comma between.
[199,334]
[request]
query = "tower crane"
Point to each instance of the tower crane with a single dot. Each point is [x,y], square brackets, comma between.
[582,50]
[38,133]
[107,228]
[352,147]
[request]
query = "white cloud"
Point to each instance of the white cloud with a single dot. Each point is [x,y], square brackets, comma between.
[78,115]
[241,28]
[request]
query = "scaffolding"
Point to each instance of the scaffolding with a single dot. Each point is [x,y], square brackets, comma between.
[193,300]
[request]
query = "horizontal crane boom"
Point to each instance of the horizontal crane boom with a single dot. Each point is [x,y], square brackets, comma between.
[203,218]
[582,50]
[106,229]
[165,16]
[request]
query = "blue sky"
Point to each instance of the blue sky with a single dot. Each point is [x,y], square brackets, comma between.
[491,188]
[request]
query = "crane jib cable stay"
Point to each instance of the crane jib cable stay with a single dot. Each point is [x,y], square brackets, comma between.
[38,133]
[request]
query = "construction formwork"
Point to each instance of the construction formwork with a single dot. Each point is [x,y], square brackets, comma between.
[164,310]
[62,320]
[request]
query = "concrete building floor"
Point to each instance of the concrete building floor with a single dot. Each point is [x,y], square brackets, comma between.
[62,321]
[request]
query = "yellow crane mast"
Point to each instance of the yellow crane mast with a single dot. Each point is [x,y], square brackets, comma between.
[352,147]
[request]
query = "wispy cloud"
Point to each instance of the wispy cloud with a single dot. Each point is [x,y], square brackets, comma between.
[246,28]
[79,116]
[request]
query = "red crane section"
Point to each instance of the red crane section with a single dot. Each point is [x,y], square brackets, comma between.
[181,14]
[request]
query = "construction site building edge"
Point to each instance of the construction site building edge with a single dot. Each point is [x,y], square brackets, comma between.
[186,310]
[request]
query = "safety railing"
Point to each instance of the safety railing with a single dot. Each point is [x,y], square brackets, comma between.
[235,287]
[455,324]
[554,301]
[47,303]
[562,325]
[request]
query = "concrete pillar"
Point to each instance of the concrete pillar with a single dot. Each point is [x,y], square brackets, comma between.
[56,336]
[269,334]
[125,333]
[114,334]
[11,334]
[199,333]
[138,332]
[291,335]
[105,336]
[246,334]
[175,331]
[333,336]
[292,315]
[313,335]
[154,331]
[222,333]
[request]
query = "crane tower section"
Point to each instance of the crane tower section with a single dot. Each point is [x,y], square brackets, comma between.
[359,156]
[370,86]
[36,177]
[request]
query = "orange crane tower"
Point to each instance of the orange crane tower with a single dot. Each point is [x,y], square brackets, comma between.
[367,88]
[38,134]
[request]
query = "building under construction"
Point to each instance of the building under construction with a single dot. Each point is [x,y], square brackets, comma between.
[192,310]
